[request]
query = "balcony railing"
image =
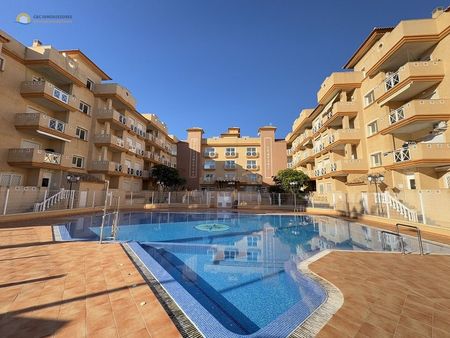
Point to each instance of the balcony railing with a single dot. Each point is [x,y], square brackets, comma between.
[423,154]
[36,120]
[31,88]
[210,154]
[36,157]
[106,166]
[109,139]
[230,154]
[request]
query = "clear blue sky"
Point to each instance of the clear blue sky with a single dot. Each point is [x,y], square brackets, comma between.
[215,63]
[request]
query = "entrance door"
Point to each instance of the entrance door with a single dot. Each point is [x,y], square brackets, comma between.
[46,179]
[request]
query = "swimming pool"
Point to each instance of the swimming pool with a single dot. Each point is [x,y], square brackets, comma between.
[237,274]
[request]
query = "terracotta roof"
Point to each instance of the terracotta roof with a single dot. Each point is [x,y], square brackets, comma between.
[373,37]
[91,63]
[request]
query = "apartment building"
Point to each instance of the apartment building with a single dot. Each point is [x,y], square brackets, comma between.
[231,161]
[60,115]
[386,114]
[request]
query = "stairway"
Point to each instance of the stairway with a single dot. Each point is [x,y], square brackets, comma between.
[394,204]
[53,200]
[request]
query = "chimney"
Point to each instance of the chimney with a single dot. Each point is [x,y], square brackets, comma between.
[37,43]
[436,12]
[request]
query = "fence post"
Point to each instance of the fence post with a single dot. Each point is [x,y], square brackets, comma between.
[388,212]
[45,197]
[424,219]
[131,198]
[279,199]
[72,193]
[188,193]
[6,202]
[153,195]
[312,201]
[169,198]
[93,200]
[239,198]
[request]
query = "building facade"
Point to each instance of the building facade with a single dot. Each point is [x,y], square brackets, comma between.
[386,114]
[60,116]
[231,161]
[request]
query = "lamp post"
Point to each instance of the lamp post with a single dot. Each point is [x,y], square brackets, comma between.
[71,179]
[376,179]
[294,184]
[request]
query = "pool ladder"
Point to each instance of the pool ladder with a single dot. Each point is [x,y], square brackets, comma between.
[114,225]
[400,238]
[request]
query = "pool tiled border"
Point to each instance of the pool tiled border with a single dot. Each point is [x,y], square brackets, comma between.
[284,326]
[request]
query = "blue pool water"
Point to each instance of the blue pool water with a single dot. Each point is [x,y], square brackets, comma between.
[242,268]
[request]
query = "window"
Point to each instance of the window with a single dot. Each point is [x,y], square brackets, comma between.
[90,84]
[230,254]
[253,177]
[411,181]
[372,128]
[78,162]
[85,108]
[211,152]
[9,179]
[251,151]
[2,64]
[208,177]
[230,164]
[230,176]
[230,152]
[252,240]
[81,133]
[369,98]
[375,160]
[210,164]
[252,255]
[251,164]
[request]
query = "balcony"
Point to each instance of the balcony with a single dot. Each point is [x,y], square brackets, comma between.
[118,120]
[420,155]
[410,80]
[347,166]
[44,125]
[46,94]
[340,109]
[336,82]
[339,138]
[121,97]
[37,158]
[106,167]
[56,66]
[209,167]
[414,116]
[306,156]
[156,121]
[112,141]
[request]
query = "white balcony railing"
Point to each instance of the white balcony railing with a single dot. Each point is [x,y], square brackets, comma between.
[402,155]
[391,81]
[396,115]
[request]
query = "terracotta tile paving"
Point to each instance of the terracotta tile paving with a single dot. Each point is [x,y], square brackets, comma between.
[76,289]
[82,289]
[388,295]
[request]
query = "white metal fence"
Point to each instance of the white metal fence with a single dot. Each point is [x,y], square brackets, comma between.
[424,206]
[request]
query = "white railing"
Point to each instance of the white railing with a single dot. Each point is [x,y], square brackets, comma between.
[402,155]
[53,158]
[56,125]
[407,213]
[391,81]
[61,95]
[396,115]
[52,200]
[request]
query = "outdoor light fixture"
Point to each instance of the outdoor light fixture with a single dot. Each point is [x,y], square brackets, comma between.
[71,179]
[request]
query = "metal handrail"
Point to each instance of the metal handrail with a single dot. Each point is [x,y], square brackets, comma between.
[400,238]
[419,234]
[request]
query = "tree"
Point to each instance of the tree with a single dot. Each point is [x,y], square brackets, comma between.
[168,176]
[285,177]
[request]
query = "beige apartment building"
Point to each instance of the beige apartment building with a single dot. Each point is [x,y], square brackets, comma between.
[386,114]
[60,115]
[231,161]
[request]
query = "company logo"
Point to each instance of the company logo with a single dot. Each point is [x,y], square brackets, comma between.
[23,18]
